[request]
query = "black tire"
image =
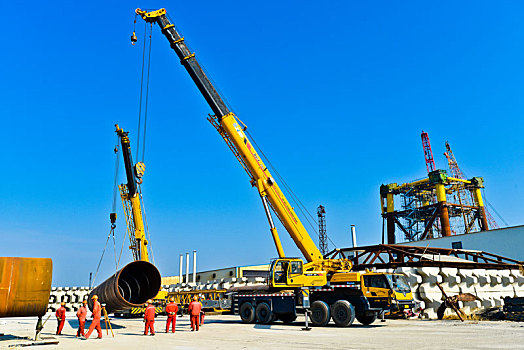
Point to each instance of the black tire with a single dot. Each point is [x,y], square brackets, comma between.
[264,314]
[367,319]
[343,313]
[287,317]
[320,313]
[247,313]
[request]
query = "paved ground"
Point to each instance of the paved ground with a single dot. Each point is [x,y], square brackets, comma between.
[226,332]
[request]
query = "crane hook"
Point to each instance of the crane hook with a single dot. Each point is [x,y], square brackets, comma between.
[134,39]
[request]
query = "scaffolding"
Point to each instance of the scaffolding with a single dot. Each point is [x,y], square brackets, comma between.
[436,206]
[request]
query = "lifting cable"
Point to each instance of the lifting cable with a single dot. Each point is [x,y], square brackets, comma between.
[144,100]
[141,90]
[112,216]
[115,181]
[111,234]
[493,208]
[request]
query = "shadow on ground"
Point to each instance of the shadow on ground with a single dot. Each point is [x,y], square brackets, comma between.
[6,337]
[74,324]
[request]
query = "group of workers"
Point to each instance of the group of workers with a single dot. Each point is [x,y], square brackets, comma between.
[81,314]
[196,315]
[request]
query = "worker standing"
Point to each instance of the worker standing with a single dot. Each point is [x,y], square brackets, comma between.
[97,314]
[81,313]
[171,310]
[194,313]
[202,312]
[60,318]
[149,317]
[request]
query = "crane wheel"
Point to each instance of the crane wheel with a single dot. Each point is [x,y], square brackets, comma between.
[320,313]
[367,319]
[247,313]
[264,314]
[343,313]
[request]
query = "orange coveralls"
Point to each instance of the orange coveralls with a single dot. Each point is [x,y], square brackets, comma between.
[81,314]
[194,314]
[171,310]
[97,314]
[60,319]
[149,317]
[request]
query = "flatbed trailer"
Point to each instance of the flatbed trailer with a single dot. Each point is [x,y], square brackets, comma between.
[211,299]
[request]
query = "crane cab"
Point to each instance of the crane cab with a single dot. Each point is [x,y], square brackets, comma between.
[388,291]
[289,273]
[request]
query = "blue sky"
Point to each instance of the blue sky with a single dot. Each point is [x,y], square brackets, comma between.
[335,93]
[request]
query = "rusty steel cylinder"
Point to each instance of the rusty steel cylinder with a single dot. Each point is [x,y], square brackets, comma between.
[129,287]
[25,285]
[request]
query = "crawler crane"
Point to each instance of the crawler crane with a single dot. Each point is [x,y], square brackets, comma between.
[334,291]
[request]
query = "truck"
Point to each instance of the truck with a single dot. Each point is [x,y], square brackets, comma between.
[334,291]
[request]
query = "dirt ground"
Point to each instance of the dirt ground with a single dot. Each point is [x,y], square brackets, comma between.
[227,332]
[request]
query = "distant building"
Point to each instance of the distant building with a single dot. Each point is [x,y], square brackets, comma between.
[228,272]
[507,242]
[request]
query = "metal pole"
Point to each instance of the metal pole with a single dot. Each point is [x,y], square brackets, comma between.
[194,266]
[187,267]
[354,236]
[90,278]
[181,268]
[305,303]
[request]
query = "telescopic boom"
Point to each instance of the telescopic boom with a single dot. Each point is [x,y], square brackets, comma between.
[233,134]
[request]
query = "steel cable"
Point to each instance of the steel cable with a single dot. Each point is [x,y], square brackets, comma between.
[141,90]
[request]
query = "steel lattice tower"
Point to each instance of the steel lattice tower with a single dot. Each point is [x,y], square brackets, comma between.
[322,236]
[456,172]
[428,154]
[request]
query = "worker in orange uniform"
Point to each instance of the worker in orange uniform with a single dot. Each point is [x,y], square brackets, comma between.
[60,318]
[149,317]
[194,313]
[202,313]
[97,314]
[81,313]
[171,310]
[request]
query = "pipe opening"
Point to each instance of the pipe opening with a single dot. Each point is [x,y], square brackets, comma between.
[132,286]
[139,282]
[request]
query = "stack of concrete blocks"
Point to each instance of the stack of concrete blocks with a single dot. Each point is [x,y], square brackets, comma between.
[72,296]
[490,286]
[428,292]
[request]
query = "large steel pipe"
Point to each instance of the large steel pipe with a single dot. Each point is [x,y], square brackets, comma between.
[130,287]
[25,285]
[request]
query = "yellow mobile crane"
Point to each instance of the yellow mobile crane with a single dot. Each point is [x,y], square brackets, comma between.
[334,291]
[133,210]
[131,202]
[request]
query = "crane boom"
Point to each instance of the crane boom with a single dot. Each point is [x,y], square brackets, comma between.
[131,199]
[332,277]
[269,191]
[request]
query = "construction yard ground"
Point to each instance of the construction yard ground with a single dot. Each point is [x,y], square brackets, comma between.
[227,332]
